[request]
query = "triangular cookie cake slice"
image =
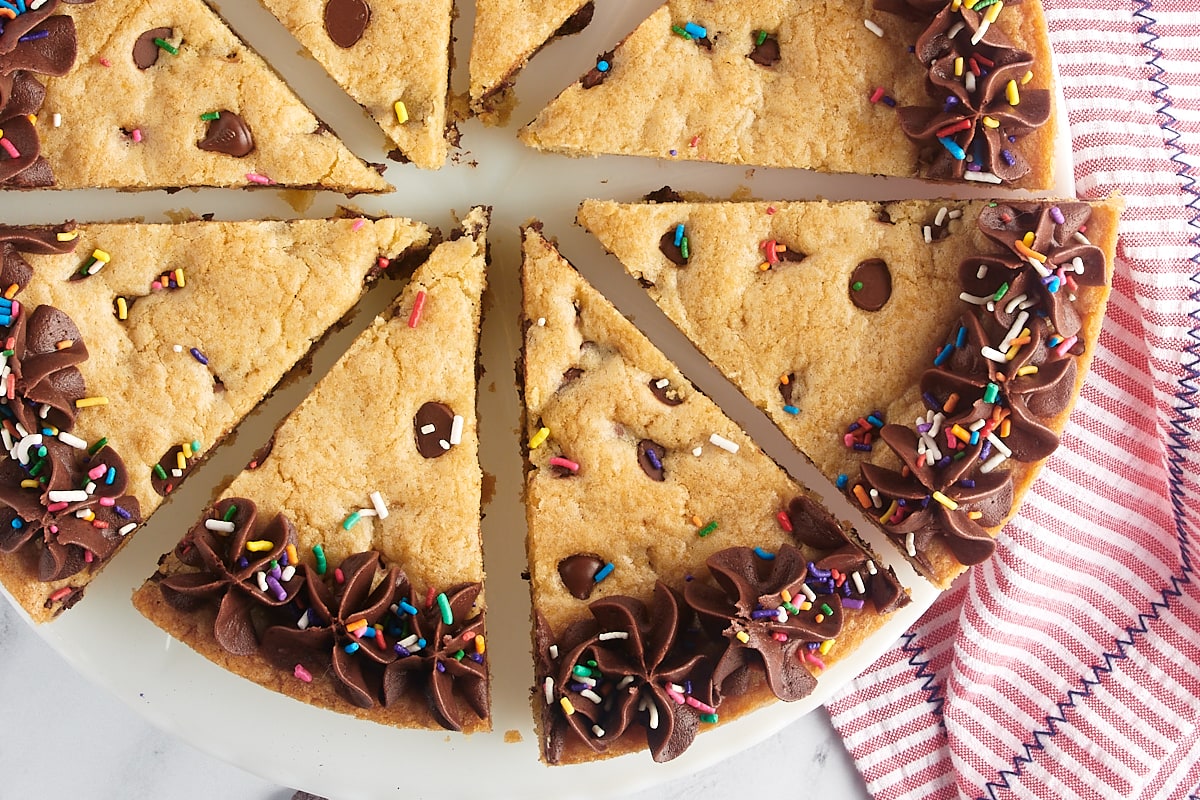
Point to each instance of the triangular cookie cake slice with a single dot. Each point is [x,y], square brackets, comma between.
[947,90]
[143,94]
[507,34]
[391,56]
[679,576]
[924,354]
[343,567]
[131,350]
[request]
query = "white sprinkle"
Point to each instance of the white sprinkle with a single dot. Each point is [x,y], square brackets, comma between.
[956,213]
[19,427]
[262,580]
[68,496]
[910,544]
[548,690]
[876,500]
[71,440]
[927,232]
[675,687]
[969,81]
[288,573]
[590,695]
[991,354]
[938,419]
[456,429]
[697,451]
[553,651]
[981,177]
[1011,306]
[589,682]
[940,219]
[442,443]
[662,383]
[8,441]
[628,679]
[871,567]
[858,582]
[1079,237]
[84,513]
[977,425]
[1077,263]
[974,300]
[782,616]
[44,411]
[1039,266]
[178,348]
[992,463]
[26,442]
[931,448]
[541,322]
[999,445]
[604,637]
[723,443]
[598,731]
[367,512]
[408,642]
[990,306]
[979,34]
[176,473]
[428,429]
[90,488]
[808,592]
[127,529]
[302,623]
[1015,330]
[94,268]
[873,28]
[380,507]
[652,707]
[219,526]
[57,119]
[954,31]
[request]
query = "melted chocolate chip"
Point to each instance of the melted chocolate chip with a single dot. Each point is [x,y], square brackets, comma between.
[650,459]
[871,285]
[673,252]
[666,394]
[228,134]
[788,390]
[594,77]
[145,51]
[441,417]
[577,21]
[573,373]
[664,195]
[261,454]
[766,53]
[578,573]
[346,20]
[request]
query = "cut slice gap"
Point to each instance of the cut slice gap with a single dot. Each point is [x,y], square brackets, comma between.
[798,338]
[639,492]
[370,494]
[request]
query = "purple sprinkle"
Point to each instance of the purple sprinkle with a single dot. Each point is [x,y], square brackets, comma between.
[967,482]
[275,572]
[578,687]
[1057,215]
[122,513]
[687,687]
[688,578]
[653,456]
[925,427]
[32,37]
[1012,139]
[951,102]
[813,645]
[944,462]
[852,603]
[862,447]
[931,401]
[852,427]
[888,101]
[986,451]
[402,651]
[441,667]
[1008,157]
[765,613]
[817,572]
[902,502]
[674,152]
[477,658]
[243,562]
[845,588]
[196,354]
[925,501]
[276,589]
[974,167]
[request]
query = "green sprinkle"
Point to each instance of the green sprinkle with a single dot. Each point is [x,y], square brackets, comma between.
[195,446]
[459,655]
[350,521]
[7,353]
[982,4]
[709,528]
[681,32]
[230,513]
[444,605]
[159,472]
[582,671]
[591,662]
[857,286]
[98,446]
[708,718]
[33,472]
[960,454]
[319,554]
[762,37]
[991,393]
[683,248]
[826,610]
[791,609]
[1003,290]
[173,50]
[210,116]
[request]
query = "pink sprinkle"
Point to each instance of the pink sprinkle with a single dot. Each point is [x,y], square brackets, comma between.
[16,310]
[12,385]
[358,225]
[107,502]
[695,141]
[54,508]
[429,598]
[565,463]
[261,180]
[382,263]
[54,529]
[9,148]
[674,695]
[60,594]
[1065,345]
[779,637]
[785,522]
[418,306]
[156,285]
[137,134]
[848,439]
[338,576]
[951,439]
[104,62]
[303,674]
[703,708]
[877,95]
[97,471]
[816,660]
[88,557]
[770,209]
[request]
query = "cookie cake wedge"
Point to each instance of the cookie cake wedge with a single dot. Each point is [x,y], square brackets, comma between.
[391,56]
[954,91]
[343,567]
[131,350]
[924,354]
[679,576]
[146,95]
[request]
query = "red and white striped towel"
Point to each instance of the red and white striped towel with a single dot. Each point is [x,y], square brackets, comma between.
[1068,666]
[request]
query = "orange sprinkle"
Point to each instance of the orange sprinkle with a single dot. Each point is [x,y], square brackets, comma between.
[11,291]
[784,379]
[951,403]
[1005,428]
[699,523]
[863,498]
[1024,250]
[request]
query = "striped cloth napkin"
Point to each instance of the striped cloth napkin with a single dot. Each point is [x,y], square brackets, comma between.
[1068,666]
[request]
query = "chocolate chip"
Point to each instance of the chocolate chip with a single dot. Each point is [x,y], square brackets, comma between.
[346,20]
[573,373]
[441,417]
[665,393]
[766,53]
[871,285]
[650,459]
[578,573]
[261,454]
[788,390]
[596,76]
[145,51]
[577,21]
[228,134]
[664,195]
[672,251]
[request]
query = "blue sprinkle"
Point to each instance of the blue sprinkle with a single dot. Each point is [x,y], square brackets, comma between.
[243,562]
[764,614]
[367,632]
[18,523]
[697,31]
[602,65]
[974,438]
[968,483]
[862,447]
[408,608]
[889,101]
[196,354]
[1053,284]
[791,410]
[679,234]
[875,420]
[31,37]
[952,147]
[763,554]
[110,476]
[931,401]
[604,572]
[122,513]
[842,480]
[421,644]
[961,339]
[941,357]
[6,320]
[351,648]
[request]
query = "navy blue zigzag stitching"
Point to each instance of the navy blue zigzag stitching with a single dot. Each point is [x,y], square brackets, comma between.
[1178,435]
[929,683]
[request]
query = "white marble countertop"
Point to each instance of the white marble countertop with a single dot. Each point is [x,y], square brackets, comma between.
[64,738]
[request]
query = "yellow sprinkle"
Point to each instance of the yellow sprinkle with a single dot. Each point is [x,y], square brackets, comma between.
[87,402]
[1027,239]
[32,118]
[993,12]
[974,514]
[1027,77]
[101,255]
[30,483]
[826,646]
[122,308]
[785,595]
[357,624]
[89,516]
[805,606]
[888,514]
[969,3]
[179,278]
[186,449]
[1012,93]
[763,267]
[67,236]
[180,461]
[956,5]
[1028,369]
[991,122]
[961,433]
[538,438]
[480,645]
[401,112]
[259,545]
[743,637]
[946,501]
[293,559]
[567,708]
[958,67]
[63,345]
